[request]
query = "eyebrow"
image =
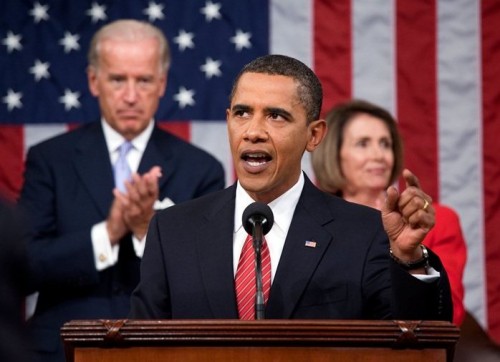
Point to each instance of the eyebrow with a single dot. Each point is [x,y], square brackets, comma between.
[279,111]
[267,110]
[240,107]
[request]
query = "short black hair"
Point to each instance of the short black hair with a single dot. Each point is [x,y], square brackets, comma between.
[309,88]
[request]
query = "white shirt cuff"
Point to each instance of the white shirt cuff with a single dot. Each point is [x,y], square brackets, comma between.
[432,274]
[105,255]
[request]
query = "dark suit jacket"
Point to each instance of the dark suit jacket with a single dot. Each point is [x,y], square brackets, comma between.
[68,188]
[13,280]
[187,269]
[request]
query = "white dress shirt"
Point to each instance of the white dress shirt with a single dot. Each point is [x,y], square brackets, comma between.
[283,208]
[106,255]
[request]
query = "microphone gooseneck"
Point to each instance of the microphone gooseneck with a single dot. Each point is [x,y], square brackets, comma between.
[257,220]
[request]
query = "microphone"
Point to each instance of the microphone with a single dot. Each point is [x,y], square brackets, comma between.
[257,220]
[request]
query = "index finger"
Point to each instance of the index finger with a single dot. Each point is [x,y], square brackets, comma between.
[410,179]
[151,179]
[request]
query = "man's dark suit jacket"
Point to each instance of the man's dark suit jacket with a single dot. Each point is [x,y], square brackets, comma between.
[68,188]
[13,280]
[187,268]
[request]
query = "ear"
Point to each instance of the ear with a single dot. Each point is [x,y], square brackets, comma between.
[316,131]
[92,81]
[163,84]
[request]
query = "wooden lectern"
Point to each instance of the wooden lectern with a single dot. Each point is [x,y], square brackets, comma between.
[264,340]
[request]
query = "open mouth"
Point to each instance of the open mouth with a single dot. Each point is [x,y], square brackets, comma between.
[256,159]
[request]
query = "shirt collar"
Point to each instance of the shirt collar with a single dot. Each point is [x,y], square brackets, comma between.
[283,207]
[115,140]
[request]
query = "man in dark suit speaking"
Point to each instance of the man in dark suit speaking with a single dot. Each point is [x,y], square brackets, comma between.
[329,258]
[91,192]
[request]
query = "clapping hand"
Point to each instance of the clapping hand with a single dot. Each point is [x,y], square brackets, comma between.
[137,203]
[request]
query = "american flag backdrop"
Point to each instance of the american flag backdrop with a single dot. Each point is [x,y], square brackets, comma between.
[434,63]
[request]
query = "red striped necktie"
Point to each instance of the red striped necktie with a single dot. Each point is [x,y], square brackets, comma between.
[245,278]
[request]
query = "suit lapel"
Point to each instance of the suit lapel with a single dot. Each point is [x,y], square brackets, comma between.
[157,153]
[94,168]
[215,250]
[298,261]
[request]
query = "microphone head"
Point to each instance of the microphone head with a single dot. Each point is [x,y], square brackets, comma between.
[258,212]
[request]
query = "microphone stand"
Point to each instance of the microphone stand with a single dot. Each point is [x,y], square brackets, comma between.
[257,220]
[257,245]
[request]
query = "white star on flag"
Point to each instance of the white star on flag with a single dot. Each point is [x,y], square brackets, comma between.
[154,11]
[184,40]
[13,99]
[185,97]
[241,40]
[97,12]
[70,42]
[211,11]
[211,68]
[12,42]
[70,99]
[39,12]
[40,70]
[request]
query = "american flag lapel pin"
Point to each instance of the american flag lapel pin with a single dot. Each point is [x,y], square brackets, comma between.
[310,243]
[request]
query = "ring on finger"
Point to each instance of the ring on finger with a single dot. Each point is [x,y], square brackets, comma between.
[426,205]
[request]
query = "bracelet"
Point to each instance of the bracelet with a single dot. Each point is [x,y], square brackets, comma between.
[423,262]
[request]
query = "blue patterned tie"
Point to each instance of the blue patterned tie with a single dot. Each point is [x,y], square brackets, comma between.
[122,169]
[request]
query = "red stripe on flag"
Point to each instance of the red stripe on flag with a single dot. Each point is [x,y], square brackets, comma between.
[417,89]
[12,165]
[332,50]
[490,13]
[180,129]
